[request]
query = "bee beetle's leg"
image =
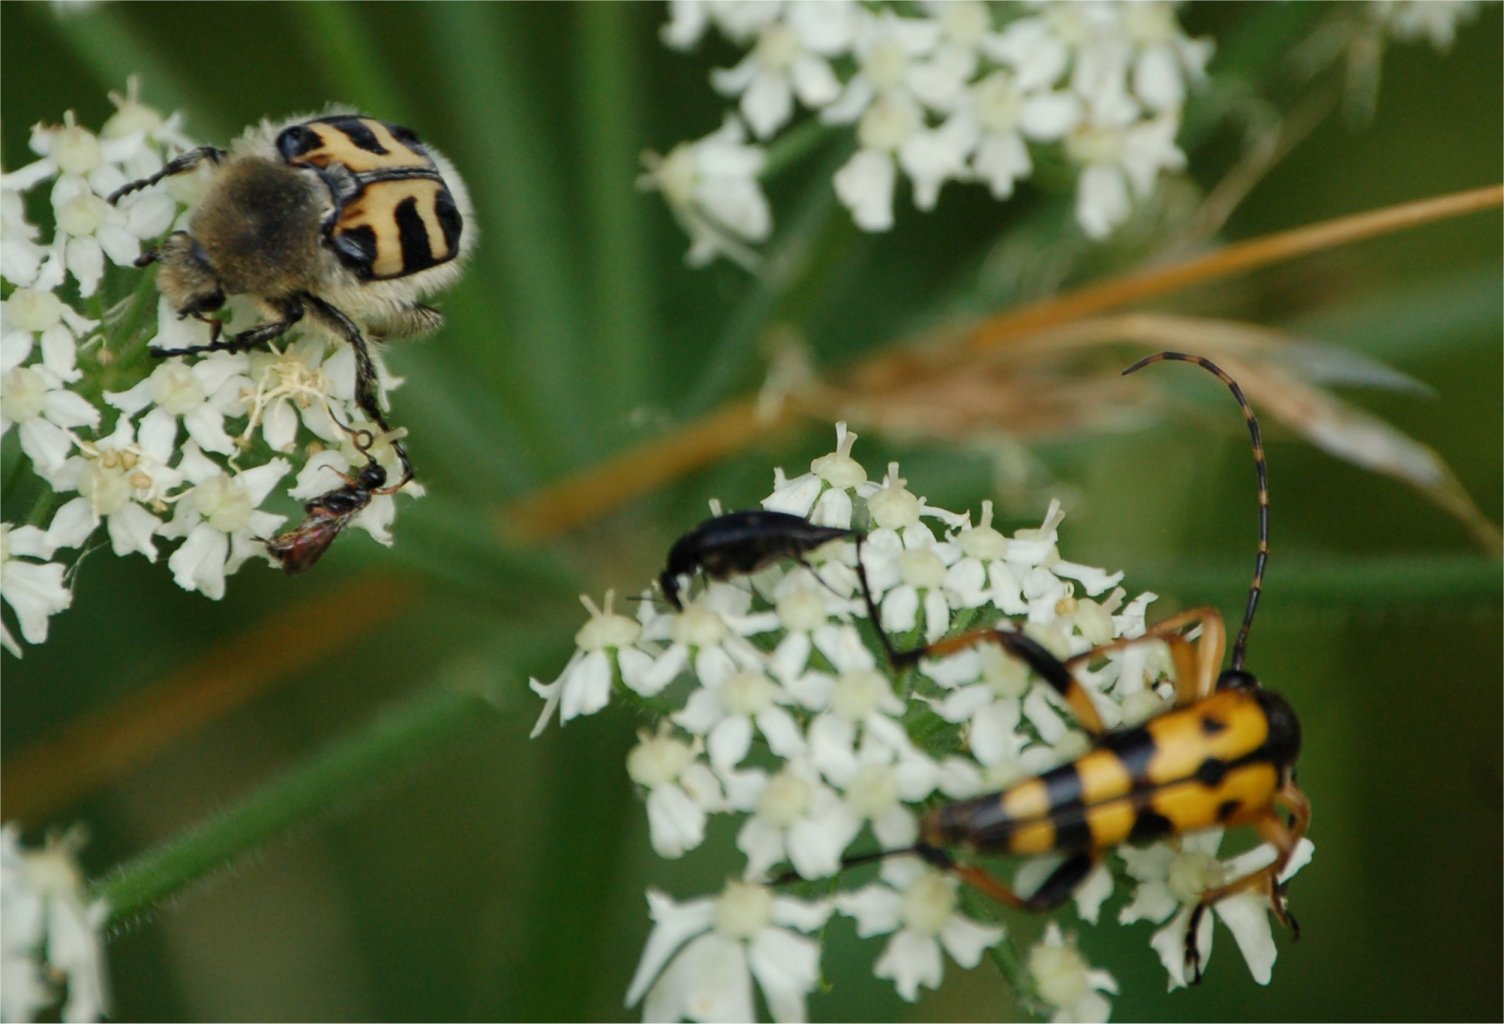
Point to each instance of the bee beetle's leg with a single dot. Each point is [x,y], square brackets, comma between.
[292,312]
[177,165]
[365,374]
[216,326]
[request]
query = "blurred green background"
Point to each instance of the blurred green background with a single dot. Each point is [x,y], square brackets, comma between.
[494,877]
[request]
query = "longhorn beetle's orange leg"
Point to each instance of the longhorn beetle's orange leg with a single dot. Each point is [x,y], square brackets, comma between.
[1196,669]
[1030,652]
[1284,838]
[1052,892]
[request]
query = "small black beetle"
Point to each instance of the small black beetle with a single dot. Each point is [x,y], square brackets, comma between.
[743,542]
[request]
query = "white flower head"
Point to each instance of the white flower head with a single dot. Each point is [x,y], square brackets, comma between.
[796,817]
[199,395]
[122,481]
[604,645]
[1172,876]
[712,189]
[729,712]
[681,789]
[823,495]
[33,587]
[90,229]
[919,907]
[135,120]
[52,933]
[293,386]
[1065,982]
[703,956]
[1433,20]
[32,315]
[72,154]
[789,60]
[220,519]
[38,402]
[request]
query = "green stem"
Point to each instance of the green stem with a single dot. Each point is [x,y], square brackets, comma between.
[433,722]
[1404,581]
[731,360]
[795,144]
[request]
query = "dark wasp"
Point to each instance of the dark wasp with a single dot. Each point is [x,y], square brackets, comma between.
[329,513]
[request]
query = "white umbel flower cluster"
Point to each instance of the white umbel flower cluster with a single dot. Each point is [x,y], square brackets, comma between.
[146,450]
[954,91]
[777,707]
[52,947]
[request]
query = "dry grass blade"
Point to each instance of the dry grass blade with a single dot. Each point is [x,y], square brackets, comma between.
[1030,389]
[568,504]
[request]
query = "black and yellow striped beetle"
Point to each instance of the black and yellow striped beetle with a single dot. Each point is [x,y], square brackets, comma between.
[1223,755]
[341,219]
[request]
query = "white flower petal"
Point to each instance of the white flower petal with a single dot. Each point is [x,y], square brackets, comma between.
[911,960]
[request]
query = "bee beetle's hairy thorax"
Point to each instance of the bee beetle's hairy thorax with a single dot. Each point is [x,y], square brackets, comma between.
[259,228]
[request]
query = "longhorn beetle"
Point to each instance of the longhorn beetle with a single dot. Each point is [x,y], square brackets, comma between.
[1223,755]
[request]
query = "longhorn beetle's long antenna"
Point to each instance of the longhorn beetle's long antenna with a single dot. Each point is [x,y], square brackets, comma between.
[1261,468]
[874,613]
[920,849]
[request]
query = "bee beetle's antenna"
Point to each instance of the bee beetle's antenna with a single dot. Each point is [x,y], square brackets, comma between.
[1261,470]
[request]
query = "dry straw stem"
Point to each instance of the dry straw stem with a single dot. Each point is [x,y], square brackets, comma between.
[578,499]
[1022,390]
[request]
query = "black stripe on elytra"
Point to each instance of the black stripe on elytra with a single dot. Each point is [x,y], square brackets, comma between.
[358,132]
[1135,748]
[407,137]
[1213,770]
[413,233]
[295,141]
[356,248]
[1149,824]
[450,221]
[1062,785]
[1073,833]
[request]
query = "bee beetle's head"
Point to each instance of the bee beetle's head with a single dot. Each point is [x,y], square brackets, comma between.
[187,279]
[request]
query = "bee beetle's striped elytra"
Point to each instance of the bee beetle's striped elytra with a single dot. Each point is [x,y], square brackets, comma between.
[393,214]
[1224,755]
[341,219]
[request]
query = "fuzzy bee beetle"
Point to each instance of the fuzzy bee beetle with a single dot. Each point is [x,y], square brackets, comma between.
[1224,755]
[340,219]
[328,514]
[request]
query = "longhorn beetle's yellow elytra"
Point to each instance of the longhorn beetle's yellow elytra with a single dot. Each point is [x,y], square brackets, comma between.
[1223,755]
